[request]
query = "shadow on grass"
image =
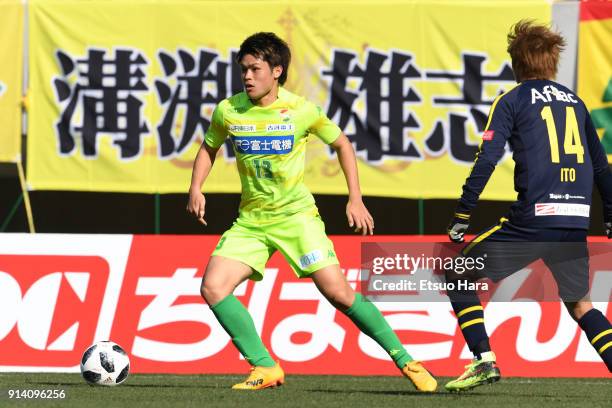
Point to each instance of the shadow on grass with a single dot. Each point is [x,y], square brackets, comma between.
[446,394]
[127,385]
[477,393]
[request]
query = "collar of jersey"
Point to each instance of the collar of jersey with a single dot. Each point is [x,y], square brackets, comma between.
[282,93]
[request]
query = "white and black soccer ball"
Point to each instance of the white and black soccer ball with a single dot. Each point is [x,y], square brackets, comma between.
[105,363]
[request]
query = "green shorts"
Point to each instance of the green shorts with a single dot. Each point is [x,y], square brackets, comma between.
[300,238]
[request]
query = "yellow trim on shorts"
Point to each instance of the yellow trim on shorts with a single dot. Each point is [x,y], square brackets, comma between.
[485,235]
[605,347]
[468,310]
[600,335]
[471,322]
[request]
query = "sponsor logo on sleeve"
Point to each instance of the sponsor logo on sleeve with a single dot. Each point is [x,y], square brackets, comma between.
[488,135]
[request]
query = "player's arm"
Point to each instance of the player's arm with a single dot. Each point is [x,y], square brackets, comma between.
[214,138]
[601,173]
[491,149]
[356,212]
[201,168]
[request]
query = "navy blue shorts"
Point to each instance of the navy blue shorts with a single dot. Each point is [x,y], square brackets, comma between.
[507,248]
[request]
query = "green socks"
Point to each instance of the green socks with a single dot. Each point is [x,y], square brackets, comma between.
[237,322]
[371,322]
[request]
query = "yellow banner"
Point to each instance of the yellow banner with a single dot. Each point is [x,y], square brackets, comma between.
[122,92]
[11,69]
[595,66]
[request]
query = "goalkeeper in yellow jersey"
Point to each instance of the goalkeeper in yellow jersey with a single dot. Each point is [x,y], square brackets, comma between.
[268,127]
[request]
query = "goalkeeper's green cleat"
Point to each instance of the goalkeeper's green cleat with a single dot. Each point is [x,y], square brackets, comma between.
[478,372]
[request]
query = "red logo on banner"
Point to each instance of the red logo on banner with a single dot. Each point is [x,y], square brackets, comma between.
[50,308]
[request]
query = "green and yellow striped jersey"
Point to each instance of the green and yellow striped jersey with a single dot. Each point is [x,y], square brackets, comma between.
[270,147]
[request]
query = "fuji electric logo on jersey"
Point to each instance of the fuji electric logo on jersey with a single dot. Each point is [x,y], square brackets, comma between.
[263,144]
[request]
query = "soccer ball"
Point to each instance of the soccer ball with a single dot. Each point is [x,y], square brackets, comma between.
[105,363]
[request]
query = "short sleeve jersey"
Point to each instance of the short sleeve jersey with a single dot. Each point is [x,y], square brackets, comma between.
[270,147]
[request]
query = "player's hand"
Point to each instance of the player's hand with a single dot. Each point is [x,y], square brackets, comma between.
[359,217]
[195,205]
[608,227]
[458,226]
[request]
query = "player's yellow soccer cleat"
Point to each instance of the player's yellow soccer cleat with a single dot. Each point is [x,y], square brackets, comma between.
[420,377]
[262,377]
[478,372]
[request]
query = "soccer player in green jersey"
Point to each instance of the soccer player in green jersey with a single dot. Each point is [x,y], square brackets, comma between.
[268,127]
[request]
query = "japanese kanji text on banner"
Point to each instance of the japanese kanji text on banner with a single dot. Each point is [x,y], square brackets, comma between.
[121,98]
[11,68]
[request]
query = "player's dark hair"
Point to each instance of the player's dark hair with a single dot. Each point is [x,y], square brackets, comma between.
[270,48]
[534,50]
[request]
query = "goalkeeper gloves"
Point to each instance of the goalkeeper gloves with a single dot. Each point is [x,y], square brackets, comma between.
[608,227]
[459,225]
